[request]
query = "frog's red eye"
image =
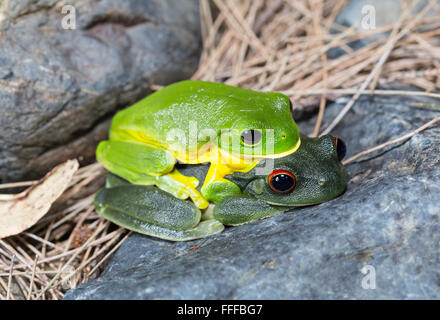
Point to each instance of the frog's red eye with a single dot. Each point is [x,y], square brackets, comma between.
[282,181]
[341,148]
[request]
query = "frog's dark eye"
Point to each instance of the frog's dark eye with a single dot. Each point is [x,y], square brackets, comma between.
[282,181]
[341,148]
[251,137]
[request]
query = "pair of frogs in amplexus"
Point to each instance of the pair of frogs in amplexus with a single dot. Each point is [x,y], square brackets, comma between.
[148,192]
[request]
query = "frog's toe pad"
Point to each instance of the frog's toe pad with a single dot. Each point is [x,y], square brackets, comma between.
[216,191]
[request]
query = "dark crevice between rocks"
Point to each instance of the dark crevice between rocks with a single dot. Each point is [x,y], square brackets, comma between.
[117,17]
[81,134]
[34,10]
[81,146]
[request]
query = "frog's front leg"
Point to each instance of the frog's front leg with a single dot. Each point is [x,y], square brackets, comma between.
[215,187]
[145,164]
[241,209]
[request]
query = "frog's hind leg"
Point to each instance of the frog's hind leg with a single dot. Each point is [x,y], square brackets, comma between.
[150,211]
[146,164]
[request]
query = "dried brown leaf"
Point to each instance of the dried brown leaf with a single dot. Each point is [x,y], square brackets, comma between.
[21,211]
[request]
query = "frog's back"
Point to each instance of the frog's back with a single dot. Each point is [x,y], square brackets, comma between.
[212,105]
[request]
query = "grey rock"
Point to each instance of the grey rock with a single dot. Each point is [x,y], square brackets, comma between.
[56,85]
[388,218]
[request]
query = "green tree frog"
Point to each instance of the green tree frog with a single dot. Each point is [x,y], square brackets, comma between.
[311,175]
[196,122]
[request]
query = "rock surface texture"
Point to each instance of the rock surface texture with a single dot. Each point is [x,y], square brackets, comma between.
[56,85]
[387,221]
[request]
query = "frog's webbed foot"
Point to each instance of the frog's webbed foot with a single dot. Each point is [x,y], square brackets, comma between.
[182,187]
[149,165]
[240,209]
[150,211]
[217,190]
[216,187]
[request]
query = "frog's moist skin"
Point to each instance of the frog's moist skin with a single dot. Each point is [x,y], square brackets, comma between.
[196,122]
[312,175]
